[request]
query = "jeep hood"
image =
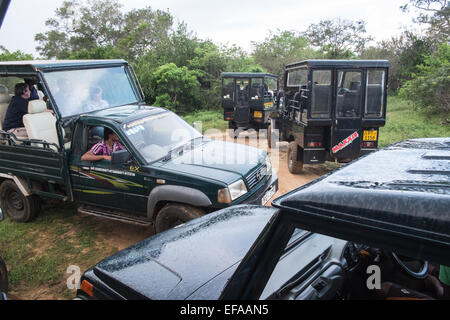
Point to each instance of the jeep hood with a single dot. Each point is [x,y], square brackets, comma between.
[219,160]
[397,198]
[176,263]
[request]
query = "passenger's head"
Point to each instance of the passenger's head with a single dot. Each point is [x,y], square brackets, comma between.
[95,93]
[30,82]
[109,134]
[22,90]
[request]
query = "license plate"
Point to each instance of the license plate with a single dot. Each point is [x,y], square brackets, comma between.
[370,135]
[269,194]
[258,114]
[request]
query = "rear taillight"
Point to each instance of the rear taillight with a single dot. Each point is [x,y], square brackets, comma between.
[368,144]
[314,144]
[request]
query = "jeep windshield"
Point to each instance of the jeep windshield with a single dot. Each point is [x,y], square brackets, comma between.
[157,136]
[83,91]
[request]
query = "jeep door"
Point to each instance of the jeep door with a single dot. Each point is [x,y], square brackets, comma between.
[119,187]
[347,116]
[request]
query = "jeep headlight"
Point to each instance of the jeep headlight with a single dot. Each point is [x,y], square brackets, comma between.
[232,192]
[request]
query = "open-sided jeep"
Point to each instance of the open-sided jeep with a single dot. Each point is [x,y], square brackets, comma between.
[331,110]
[248,100]
[378,228]
[167,174]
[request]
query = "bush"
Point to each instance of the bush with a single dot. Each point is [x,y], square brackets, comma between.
[430,87]
[176,88]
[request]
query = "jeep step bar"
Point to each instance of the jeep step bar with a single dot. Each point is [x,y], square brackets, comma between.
[114,215]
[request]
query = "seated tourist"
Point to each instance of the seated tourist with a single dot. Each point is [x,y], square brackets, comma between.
[104,149]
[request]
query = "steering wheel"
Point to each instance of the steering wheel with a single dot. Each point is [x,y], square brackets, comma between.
[422,274]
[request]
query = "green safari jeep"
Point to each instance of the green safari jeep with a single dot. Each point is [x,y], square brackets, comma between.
[167,173]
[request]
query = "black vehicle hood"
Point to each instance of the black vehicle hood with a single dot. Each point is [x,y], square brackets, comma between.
[175,263]
[397,198]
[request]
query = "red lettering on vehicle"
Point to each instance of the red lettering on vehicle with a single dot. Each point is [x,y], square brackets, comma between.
[347,141]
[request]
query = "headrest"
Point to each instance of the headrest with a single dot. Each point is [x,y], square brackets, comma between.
[5,98]
[36,106]
[3,89]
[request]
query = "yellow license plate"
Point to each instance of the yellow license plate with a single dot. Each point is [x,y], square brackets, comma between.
[258,114]
[370,135]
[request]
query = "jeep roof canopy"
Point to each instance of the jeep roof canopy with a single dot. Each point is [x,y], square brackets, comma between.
[397,198]
[70,84]
[341,63]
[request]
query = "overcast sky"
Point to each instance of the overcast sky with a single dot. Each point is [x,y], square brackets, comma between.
[226,21]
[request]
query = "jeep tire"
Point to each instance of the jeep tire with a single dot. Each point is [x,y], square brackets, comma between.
[173,214]
[294,165]
[15,205]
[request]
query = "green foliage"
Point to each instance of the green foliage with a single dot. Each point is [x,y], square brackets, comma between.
[338,38]
[430,87]
[176,88]
[434,14]
[5,55]
[85,25]
[280,49]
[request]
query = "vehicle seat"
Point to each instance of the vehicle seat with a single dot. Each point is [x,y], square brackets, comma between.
[5,98]
[40,94]
[40,124]
[394,291]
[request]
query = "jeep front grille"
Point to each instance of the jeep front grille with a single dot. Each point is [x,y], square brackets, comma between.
[256,176]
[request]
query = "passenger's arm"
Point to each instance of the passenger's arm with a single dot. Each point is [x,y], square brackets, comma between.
[90,156]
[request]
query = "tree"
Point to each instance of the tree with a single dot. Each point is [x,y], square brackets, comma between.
[176,88]
[405,53]
[281,48]
[430,87]
[85,25]
[6,55]
[338,38]
[435,14]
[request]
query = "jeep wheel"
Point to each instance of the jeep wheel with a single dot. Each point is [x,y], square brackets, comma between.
[173,215]
[3,277]
[294,165]
[16,206]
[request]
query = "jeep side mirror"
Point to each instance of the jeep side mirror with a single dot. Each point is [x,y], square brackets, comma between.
[121,156]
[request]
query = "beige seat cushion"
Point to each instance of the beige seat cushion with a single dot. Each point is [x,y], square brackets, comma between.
[40,124]
[5,98]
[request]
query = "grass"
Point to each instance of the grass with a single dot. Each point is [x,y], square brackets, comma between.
[38,253]
[404,122]
[210,119]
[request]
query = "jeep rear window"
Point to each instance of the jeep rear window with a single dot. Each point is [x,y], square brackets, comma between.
[297,78]
[84,91]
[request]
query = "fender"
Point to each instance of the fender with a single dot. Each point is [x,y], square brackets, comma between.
[21,183]
[179,194]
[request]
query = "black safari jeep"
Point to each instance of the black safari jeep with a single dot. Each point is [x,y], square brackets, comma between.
[376,228]
[168,173]
[331,110]
[248,100]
